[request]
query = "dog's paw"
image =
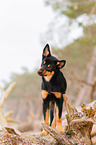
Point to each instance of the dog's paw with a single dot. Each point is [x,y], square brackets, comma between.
[60,129]
[43,133]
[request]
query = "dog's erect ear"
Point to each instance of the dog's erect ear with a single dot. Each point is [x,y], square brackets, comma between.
[60,63]
[46,51]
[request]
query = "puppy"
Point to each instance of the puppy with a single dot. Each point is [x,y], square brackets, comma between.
[53,87]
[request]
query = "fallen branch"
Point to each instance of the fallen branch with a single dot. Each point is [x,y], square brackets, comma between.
[5,94]
[61,138]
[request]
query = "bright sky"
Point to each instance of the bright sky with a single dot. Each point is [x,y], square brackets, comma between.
[21,23]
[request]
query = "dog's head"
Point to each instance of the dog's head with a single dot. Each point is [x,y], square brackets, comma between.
[50,64]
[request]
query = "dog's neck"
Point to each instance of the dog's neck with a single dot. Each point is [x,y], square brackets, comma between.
[53,74]
[48,77]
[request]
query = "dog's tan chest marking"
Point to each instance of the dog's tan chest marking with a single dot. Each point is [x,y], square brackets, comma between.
[49,76]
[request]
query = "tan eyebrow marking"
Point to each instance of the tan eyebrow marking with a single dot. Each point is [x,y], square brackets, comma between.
[49,65]
[44,62]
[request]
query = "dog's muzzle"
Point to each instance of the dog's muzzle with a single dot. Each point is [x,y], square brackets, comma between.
[40,72]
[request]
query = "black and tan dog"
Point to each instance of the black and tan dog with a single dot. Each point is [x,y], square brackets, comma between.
[53,87]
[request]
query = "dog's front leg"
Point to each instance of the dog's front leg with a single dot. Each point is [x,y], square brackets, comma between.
[45,111]
[46,116]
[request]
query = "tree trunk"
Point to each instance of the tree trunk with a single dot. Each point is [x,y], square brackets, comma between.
[84,94]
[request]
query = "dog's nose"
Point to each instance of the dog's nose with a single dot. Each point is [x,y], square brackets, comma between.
[40,72]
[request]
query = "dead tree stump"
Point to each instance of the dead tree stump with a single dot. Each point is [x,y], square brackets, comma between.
[79,126]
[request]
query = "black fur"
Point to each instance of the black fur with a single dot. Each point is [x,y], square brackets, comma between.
[56,83]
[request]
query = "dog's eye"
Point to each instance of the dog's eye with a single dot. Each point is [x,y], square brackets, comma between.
[44,62]
[48,65]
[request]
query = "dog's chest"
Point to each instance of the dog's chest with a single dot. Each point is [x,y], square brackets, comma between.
[51,86]
[56,84]
[47,78]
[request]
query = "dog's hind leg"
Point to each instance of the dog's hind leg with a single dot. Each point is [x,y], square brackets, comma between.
[59,108]
[52,117]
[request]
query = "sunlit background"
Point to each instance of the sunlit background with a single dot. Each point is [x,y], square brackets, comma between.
[23,25]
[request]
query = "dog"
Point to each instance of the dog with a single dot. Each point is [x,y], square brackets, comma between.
[53,87]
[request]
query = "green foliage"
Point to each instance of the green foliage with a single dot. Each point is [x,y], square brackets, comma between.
[73,12]
[77,54]
[72,8]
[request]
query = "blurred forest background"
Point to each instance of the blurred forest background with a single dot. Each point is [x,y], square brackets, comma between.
[80,54]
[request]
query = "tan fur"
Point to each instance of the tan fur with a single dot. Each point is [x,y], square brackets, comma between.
[44,94]
[46,121]
[49,75]
[49,65]
[57,94]
[58,121]
[44,62]
[47,117]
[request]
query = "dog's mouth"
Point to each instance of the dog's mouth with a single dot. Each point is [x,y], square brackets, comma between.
[44,73]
